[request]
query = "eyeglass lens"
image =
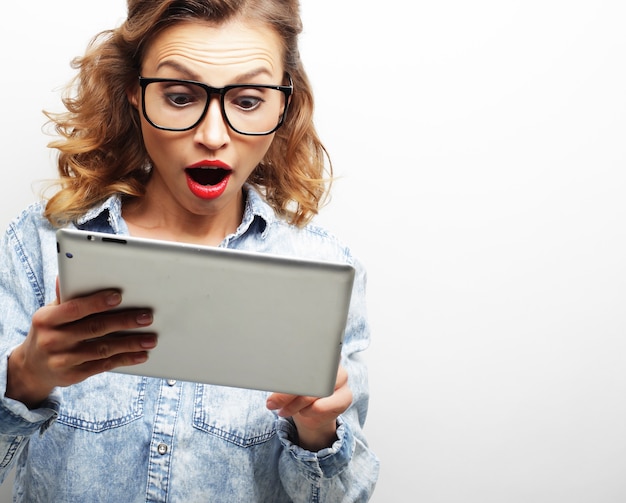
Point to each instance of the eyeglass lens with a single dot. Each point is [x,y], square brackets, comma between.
[181,105]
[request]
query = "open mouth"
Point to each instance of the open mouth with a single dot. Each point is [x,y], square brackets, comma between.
[207,176]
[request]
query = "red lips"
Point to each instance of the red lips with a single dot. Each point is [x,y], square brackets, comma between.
[208,179]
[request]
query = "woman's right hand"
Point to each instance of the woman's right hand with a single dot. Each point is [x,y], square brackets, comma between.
[65,345]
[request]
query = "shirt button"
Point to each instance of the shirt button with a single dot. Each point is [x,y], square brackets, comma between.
[162,449]
[171,382]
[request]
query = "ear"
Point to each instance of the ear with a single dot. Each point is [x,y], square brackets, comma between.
[132,93]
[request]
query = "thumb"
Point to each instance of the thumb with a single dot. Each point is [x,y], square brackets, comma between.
[58,299]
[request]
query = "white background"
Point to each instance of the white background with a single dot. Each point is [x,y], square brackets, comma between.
[481,152]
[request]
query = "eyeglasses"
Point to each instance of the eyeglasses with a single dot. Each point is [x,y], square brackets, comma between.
[248,109]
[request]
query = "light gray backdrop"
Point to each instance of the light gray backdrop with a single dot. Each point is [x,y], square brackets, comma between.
[481,153]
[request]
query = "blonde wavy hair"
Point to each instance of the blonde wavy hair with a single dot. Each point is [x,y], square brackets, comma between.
[101,151]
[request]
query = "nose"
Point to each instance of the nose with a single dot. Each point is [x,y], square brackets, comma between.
[212,132]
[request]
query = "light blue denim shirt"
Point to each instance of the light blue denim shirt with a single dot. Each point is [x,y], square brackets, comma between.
[121,439]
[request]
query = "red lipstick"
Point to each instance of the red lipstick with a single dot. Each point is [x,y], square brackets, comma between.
[208,179]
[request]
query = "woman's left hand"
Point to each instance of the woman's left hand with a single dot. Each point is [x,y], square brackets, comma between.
[315,418]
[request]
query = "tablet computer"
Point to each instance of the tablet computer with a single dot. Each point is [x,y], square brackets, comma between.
[222,316]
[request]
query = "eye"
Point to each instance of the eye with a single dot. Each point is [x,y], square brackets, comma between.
[181,96]
[247,100]
[180,99]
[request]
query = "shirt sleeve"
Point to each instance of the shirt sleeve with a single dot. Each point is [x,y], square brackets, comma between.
[348,470]
[19,298]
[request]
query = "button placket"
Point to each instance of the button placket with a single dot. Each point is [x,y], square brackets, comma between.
[162,441]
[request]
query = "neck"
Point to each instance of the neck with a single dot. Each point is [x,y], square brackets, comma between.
[150,217]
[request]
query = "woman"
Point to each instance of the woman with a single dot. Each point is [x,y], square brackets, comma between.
[191,122]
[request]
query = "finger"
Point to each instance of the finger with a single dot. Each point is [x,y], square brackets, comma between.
[100,355]
[342,377]
[81,307]
[278,400]
[108,348]
[97,326]
[331,406]
[65,341]
[58,293]
[90,368]
[288,405]
[297,405]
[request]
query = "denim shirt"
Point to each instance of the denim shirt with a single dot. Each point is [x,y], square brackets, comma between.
[121,438]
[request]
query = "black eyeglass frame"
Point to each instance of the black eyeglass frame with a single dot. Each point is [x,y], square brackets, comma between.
[221,91]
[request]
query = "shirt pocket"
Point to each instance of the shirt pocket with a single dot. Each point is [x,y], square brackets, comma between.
[238,416]
[102,402]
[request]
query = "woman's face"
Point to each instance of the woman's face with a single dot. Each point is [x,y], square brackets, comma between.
[201,171]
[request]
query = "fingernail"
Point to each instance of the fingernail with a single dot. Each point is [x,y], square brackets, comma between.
[271,405]
[114,299]
[140,358]
[148,342]
[144,318]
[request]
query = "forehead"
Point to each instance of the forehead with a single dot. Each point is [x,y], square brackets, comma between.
[202,50]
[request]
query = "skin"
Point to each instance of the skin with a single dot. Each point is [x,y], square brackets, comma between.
[220,56]
[64,344]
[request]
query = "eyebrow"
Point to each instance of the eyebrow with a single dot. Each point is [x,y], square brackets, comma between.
[191,75]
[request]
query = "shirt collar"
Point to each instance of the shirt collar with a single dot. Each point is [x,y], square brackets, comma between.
[107,216]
